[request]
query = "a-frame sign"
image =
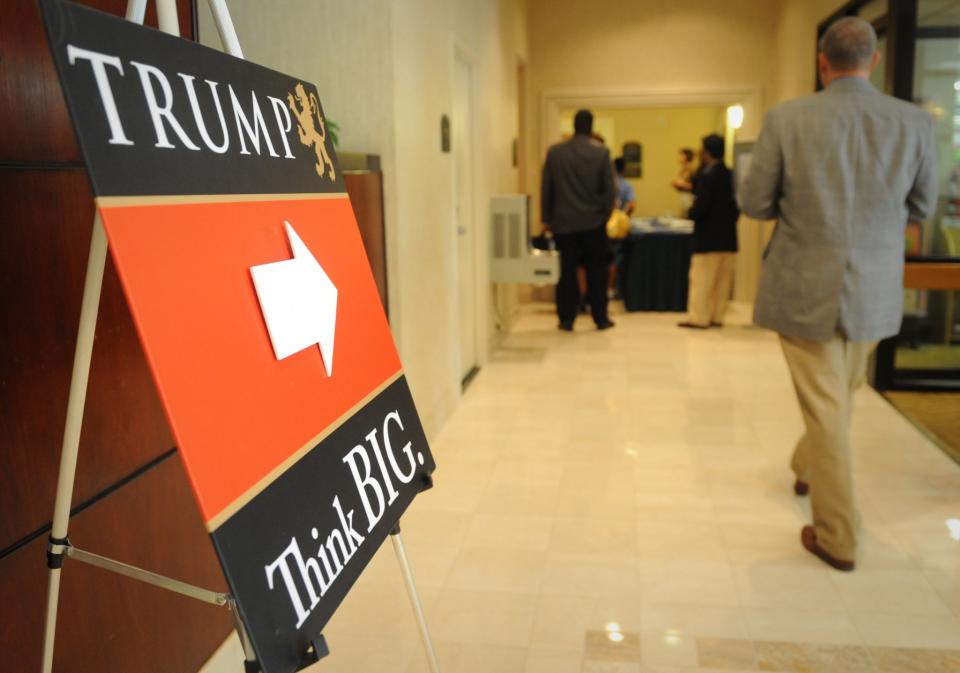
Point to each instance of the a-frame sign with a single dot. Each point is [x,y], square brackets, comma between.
[224,206]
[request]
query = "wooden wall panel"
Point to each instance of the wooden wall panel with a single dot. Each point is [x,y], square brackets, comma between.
[366,195]
[107,623]
[43,251]
[35,122]
[932,276]
[112,623]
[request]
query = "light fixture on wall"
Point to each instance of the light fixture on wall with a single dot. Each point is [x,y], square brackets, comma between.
[734,122]
[735,116]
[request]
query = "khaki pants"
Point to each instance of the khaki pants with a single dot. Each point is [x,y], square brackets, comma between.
[711,279]
[825,376]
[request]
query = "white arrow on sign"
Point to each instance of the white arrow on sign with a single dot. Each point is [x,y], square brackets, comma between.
[299,302]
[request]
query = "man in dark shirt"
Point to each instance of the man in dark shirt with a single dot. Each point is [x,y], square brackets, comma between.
[714,214]
[576,199]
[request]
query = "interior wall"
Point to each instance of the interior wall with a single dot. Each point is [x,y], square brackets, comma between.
[650,48]
[363,113]
[506,160]
[489,36]
[797,52]
[661,131]
[647,46]
[796,39]
[383,70]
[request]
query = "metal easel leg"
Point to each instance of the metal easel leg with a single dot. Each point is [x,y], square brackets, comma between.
[228,34]
[401,553]
[71,434]
[228,37]
[136,11]
[250,664]
[83,352]
[167,17]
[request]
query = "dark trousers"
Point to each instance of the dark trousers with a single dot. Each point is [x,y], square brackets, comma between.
[588,249]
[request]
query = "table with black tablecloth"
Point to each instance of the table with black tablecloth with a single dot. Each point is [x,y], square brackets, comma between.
[654,269]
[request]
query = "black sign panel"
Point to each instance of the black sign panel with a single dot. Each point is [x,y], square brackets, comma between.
[159,115]
[297,548]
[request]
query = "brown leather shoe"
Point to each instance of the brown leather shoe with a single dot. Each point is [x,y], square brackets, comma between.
[808,538]
[692,325]
[801,487]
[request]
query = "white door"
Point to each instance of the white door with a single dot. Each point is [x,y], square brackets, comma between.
[462,142]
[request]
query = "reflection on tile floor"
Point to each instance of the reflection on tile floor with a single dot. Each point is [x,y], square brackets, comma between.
[634,483]
[748,655]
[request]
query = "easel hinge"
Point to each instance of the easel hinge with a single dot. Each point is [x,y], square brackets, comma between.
[56,551]
[427,482]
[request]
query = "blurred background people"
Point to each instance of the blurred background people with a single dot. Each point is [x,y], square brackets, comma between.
[684,180]
[714,214]
[626,195]
[618,226]
[576,199]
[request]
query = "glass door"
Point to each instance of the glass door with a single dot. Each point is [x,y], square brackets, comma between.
[926,353]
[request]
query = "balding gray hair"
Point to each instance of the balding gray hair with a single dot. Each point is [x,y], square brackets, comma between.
[849,44]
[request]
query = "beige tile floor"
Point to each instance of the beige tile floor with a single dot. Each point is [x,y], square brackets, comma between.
[619,502]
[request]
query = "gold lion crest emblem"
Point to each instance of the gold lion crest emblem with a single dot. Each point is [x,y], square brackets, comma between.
[311,128]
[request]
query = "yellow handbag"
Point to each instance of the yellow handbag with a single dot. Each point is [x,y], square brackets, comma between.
[618,226]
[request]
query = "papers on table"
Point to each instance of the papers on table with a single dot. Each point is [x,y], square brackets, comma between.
[646,225]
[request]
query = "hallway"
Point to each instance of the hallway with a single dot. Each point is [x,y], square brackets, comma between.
[620,502]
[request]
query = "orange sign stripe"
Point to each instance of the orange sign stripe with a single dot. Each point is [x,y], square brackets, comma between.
[237,413]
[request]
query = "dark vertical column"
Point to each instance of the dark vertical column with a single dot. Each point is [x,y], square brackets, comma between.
[900,58]
[901,47]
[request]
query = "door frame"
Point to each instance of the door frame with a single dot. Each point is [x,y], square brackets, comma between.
[901,27]
[460,52]
[752,238]
[553,100]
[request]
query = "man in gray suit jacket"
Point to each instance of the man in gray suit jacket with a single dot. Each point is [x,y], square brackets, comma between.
[842,171]
[576,199]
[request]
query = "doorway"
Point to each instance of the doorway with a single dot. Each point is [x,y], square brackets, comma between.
[659,133]
[520,149]
[463,210]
